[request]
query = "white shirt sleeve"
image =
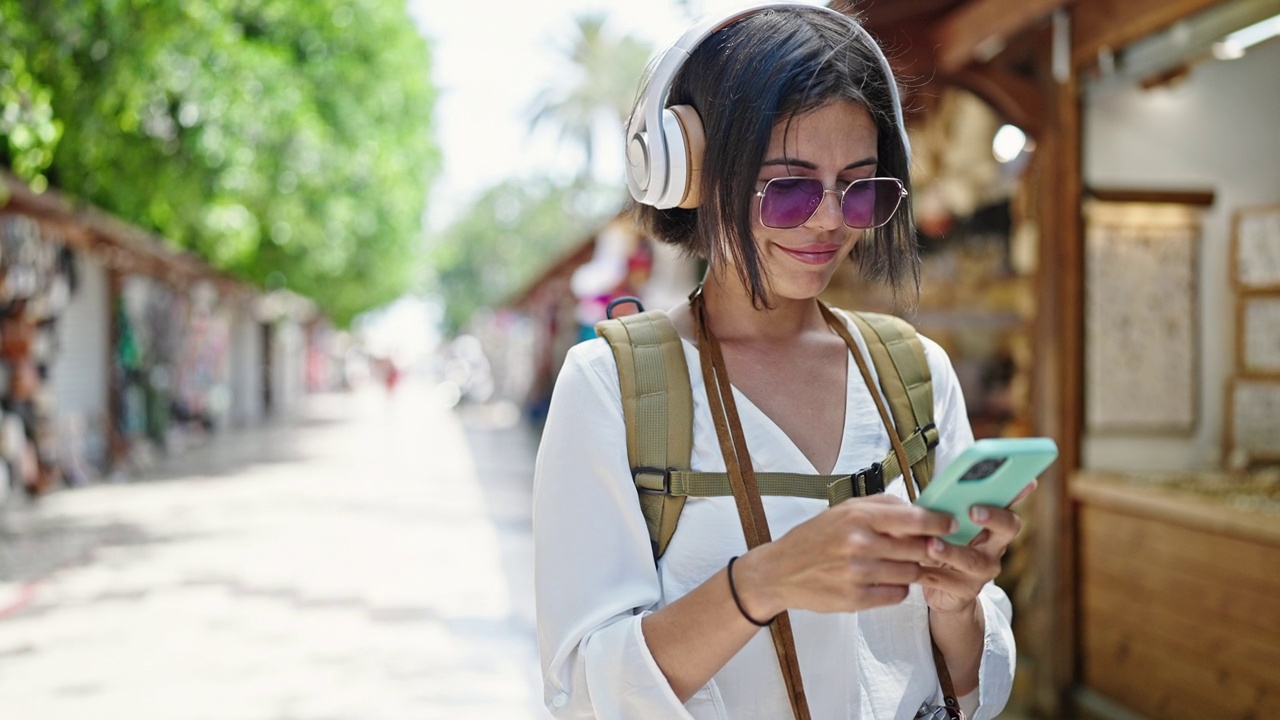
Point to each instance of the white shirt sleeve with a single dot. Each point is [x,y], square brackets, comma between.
[995,674]
[594,572]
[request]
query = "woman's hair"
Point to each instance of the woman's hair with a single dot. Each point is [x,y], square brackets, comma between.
[743,80]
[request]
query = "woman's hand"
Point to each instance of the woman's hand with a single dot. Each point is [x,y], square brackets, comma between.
[955,575]
[860,554]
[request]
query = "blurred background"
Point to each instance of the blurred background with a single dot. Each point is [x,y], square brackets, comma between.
[285,286]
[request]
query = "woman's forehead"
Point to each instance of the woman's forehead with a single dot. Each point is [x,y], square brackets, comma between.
[830,131]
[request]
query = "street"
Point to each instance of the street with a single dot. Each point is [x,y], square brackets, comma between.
[370,559]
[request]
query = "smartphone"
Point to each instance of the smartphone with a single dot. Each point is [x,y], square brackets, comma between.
[990,472]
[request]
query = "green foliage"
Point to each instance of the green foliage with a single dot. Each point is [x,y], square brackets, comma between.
[605,74]
[288,136]
[518,228]
[507,238]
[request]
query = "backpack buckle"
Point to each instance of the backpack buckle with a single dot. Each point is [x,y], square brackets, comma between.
[652,480]
[930,434]
[869,481]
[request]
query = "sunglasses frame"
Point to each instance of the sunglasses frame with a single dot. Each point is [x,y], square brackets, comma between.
[902,194]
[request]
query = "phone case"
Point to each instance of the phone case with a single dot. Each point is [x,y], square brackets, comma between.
[990,472]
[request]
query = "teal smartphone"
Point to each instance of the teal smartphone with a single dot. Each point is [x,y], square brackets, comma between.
[990,472]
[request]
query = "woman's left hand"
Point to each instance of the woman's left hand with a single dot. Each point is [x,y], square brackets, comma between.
[961,572]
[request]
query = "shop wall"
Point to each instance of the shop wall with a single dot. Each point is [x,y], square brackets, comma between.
[1216,130]
[80,373]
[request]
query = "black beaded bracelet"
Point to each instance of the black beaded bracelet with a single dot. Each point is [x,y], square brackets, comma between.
[733,590]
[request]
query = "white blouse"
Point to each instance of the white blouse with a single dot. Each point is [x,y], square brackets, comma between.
[595,577]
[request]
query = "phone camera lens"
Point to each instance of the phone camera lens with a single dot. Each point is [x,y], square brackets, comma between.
[983,469]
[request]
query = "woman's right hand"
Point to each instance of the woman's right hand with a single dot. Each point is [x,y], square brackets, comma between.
[860,554]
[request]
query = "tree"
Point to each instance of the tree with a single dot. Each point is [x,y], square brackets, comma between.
[268,136]
[606,70]
[517,228]
[511,233]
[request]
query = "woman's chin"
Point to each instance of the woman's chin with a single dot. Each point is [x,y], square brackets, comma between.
[802,286]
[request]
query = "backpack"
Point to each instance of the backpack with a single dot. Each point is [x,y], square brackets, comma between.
[657,406]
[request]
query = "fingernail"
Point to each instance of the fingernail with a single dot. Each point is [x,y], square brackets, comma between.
[979,514]
[937,546]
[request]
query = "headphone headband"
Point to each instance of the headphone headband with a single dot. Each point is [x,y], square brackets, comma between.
[651,159]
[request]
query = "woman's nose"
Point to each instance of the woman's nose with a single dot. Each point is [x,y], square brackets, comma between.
[828,215]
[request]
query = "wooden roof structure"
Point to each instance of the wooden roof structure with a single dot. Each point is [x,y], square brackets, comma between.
[993,48]
[1026,58]
[114,242]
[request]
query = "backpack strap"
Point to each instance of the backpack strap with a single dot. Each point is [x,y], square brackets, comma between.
[657,405]
[897,353]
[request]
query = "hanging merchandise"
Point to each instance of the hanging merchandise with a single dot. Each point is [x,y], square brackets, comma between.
[12,438]
[19,257]
[36,284]
[204,368]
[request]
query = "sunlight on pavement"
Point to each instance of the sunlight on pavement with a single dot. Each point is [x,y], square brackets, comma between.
[345,567]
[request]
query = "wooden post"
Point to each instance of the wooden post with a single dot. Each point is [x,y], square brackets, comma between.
[1058,385]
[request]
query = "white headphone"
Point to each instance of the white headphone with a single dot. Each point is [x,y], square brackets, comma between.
[665,144]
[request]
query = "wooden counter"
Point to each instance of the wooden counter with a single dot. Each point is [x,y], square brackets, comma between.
[1179,594]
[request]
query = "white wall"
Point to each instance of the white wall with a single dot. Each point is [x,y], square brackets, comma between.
[288,368]
[79,376]
[1218,130]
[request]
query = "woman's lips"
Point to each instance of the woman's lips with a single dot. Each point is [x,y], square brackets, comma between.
[812,254]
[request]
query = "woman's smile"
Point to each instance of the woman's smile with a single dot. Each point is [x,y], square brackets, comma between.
[814,253]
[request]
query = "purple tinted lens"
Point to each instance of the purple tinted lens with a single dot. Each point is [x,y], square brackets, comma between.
[790,202]
[871,203]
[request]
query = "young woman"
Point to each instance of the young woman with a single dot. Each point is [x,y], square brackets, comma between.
[805,165]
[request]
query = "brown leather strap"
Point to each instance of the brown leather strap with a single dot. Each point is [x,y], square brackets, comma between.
[944,679]
[755,526]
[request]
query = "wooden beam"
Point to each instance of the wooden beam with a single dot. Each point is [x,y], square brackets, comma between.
[1198,198]
[1017,99]
[982,27]
[87,228]
[1071,266]
[1116,23]
[1058,369]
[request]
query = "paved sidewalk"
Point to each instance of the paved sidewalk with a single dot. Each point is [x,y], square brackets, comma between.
[356,564]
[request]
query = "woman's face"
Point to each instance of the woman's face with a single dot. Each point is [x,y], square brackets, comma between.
[836,144]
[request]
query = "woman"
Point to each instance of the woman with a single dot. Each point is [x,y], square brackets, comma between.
[798,106]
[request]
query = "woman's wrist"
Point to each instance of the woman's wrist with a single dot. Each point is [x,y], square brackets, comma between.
[960,612]
[969,613]
[755,593]
[959,635]
[737,599]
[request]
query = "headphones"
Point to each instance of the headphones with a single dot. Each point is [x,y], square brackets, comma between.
[665,145]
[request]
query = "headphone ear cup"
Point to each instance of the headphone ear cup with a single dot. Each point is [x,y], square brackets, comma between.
[671,186]
[639,167]
[694,146]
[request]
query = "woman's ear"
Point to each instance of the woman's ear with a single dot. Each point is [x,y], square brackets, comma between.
[695,146]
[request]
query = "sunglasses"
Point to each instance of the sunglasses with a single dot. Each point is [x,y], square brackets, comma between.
[789,202]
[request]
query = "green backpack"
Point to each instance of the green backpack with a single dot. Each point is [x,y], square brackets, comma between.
[657,405]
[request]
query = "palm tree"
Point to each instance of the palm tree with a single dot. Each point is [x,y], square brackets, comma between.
[607,70]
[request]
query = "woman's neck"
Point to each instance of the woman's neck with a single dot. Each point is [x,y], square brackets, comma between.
[732,317]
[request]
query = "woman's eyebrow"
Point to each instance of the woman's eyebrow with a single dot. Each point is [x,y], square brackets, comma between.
[793,162]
